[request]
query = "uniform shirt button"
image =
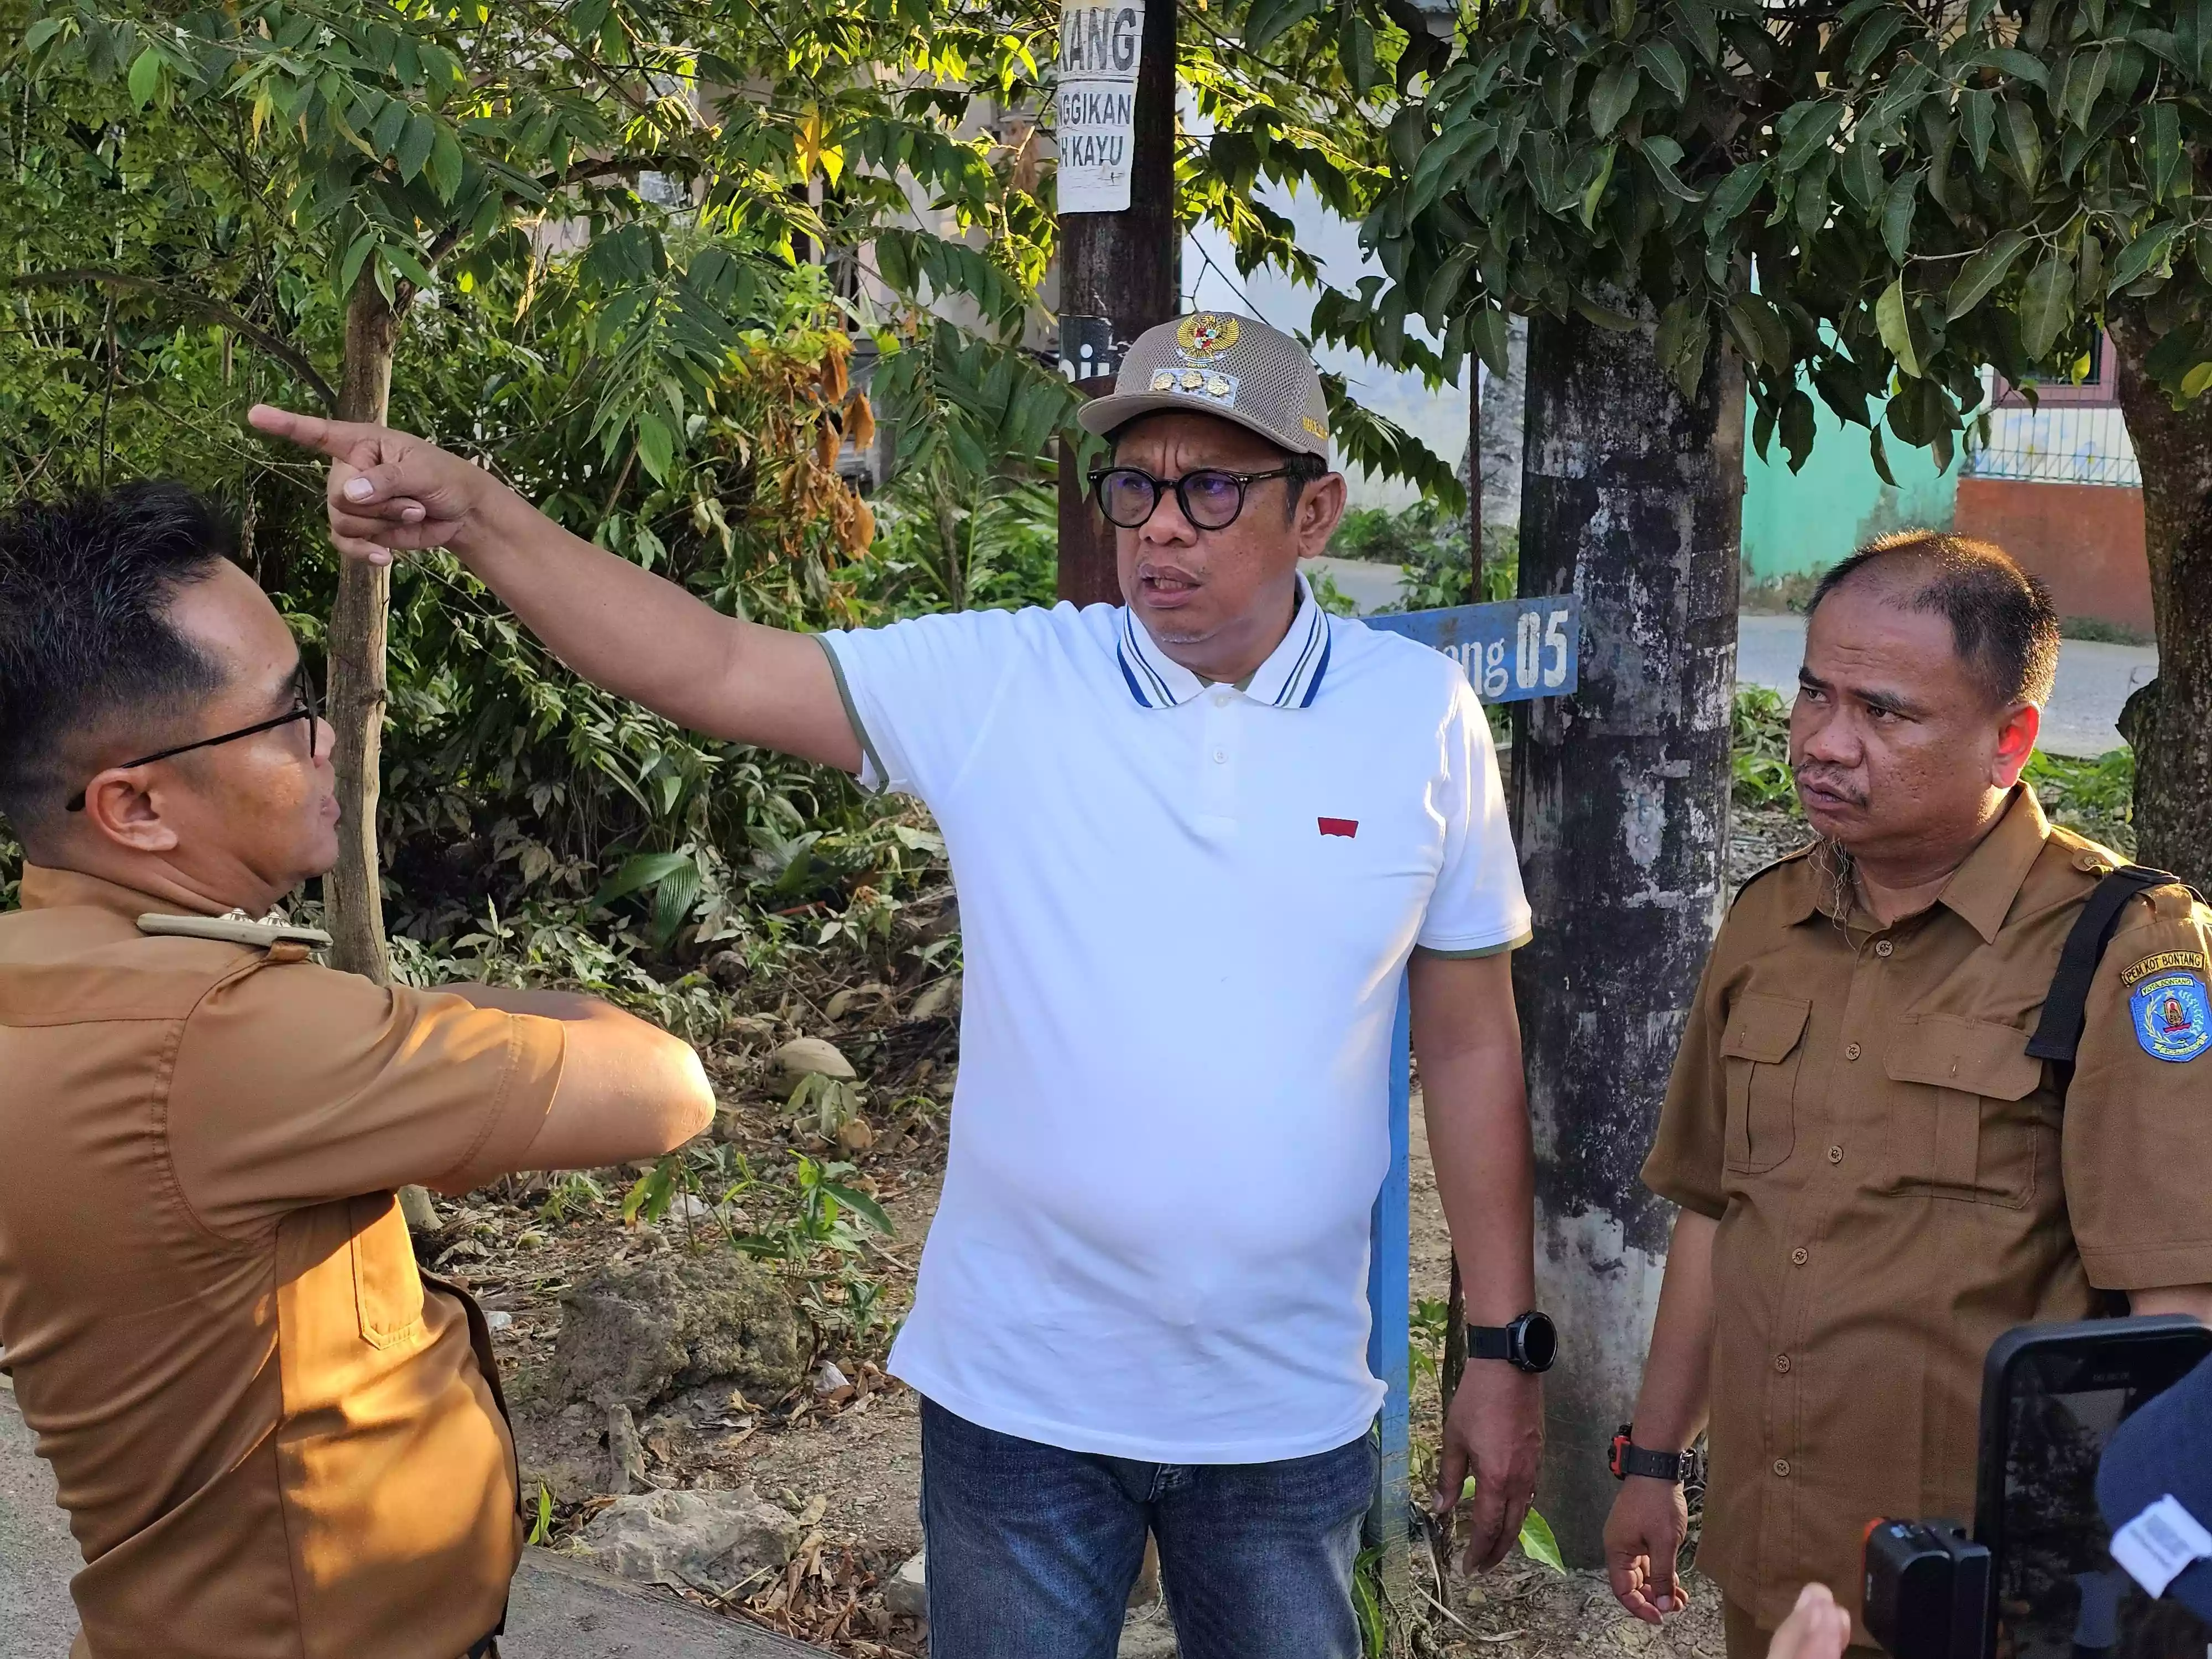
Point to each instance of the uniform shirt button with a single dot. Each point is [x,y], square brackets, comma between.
[1220,757]
[1800,1255]
[1851,1051]
[1835,1155]
[1782,1467]
[1782,1364]
[1221,700]
[1882,947]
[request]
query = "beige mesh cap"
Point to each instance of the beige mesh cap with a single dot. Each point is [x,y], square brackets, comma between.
[1220,363]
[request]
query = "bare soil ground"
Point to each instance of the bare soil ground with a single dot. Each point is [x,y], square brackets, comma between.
[850,1463]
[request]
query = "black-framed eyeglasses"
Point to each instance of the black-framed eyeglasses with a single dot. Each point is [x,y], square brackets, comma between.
[306,705]
[1210,498]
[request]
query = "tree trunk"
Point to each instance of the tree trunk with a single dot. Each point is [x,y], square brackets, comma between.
[1120,267]
[2171,723]
[1630,498]
[353,894]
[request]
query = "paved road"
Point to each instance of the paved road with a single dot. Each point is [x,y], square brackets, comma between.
[562,1610]
[2094,680]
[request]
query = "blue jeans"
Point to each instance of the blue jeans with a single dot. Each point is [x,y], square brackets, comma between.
[1033,1550]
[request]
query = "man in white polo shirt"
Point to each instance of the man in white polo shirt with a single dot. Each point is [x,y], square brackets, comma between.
[1197,838]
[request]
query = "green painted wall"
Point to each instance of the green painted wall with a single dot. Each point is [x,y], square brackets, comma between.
[1796,523]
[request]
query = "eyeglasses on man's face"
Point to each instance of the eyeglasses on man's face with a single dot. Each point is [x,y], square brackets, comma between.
[306,705]
[1211,498]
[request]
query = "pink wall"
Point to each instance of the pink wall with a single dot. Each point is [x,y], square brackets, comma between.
[2085,540]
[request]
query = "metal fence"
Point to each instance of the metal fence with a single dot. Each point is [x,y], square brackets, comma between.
[2080,445]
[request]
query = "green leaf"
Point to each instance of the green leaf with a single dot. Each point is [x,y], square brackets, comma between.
[1813,125]
[1614,322]
[390,125]
[1896,214]
[2165,156]
[2016,125]
[350,266]
[1593,192]
[145,77]
[1977,116]
[861,1203]
[2085,79]
[1982,273]
[2140,255]
[2045,306]
[656,446]
[1270,20]
[1355,49]
[1538,1544]
[43,31]
[1681,342]
[1872,40]
[2194,383]
[1894,320]
[415,144]
[1611,96]
[1734,194]
[1444,288]
[2011,61]
[1667,67]
[1703,27]
[1796,426]
[1491,336]
[1879,452]
[444,167]
[641,869]
[1759,330]
[1861,171]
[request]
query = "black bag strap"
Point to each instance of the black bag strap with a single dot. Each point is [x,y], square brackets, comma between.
[2058,1033]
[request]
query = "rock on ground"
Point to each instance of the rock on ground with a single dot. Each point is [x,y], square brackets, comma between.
[630,1335]
[656,1538]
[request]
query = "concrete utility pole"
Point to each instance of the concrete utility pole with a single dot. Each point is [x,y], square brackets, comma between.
[1630,498]
[1117,276]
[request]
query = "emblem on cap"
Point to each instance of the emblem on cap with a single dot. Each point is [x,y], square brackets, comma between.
[1205,333]
[2172,1015]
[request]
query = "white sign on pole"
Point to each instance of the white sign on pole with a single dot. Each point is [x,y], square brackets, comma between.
[1096,105]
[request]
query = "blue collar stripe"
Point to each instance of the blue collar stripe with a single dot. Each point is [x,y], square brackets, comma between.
[1161,696]
[1312,689]
[1317,628]
[1135,690]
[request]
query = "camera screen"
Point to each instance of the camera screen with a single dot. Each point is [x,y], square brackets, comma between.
[2059,1596]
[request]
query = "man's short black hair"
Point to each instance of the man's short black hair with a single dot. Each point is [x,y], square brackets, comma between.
[2002,619]
[86,643]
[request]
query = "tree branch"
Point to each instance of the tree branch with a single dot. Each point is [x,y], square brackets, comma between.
[285,353]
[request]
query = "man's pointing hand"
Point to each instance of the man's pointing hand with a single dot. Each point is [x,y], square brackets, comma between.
[388,491]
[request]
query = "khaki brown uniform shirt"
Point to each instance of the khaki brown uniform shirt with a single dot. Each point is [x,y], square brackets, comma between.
[271,1442]
[1896,1183]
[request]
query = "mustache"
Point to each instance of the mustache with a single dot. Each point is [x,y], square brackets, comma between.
[1831,782]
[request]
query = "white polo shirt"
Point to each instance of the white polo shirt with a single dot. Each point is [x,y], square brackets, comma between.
[1185,910]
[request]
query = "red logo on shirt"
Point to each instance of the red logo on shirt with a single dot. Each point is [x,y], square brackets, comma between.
[1346,827]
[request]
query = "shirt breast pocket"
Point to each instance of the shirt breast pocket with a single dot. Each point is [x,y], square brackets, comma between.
[1965,1124]
[387,1288]
[1762,1050]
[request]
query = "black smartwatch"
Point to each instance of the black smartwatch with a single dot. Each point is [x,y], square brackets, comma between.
[1529,1344]
[1626,1458]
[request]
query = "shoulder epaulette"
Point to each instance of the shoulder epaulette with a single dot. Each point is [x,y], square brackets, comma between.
[236,928]
[1791,857]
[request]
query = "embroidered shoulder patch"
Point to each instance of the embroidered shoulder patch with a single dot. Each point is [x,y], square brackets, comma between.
[2164,959]
[2171,1012]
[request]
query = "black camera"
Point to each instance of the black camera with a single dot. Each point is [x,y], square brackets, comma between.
[2036,1575]
[1927,1589]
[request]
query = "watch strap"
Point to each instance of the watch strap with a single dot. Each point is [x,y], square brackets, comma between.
[1490,1342]
[1628,1458]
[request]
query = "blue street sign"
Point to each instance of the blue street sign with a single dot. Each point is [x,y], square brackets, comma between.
[1511,651]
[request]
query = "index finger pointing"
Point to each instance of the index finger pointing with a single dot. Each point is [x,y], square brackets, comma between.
[339,439]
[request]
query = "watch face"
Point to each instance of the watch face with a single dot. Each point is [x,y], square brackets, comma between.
[1539,1342]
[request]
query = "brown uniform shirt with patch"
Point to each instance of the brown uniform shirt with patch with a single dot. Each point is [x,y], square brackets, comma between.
[272,1443]
[1897,1185]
